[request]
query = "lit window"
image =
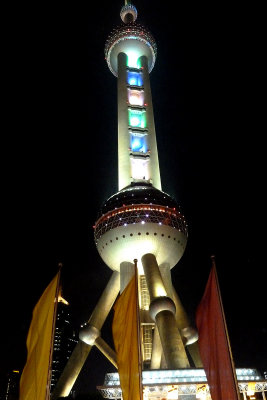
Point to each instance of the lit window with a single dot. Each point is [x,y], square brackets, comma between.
[132,59]
[135,97]
[137,119]
[139,169]
[134,78]
[138,143]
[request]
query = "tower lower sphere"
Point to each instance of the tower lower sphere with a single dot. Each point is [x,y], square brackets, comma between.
[138,220]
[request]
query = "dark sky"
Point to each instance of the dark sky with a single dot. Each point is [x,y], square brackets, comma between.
[59,144]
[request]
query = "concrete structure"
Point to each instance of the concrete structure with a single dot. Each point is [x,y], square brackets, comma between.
[140,222]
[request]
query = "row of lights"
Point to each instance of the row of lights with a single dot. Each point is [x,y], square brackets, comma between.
[139,208]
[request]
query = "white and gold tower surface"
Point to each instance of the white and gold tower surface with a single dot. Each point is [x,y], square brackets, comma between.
[140,222]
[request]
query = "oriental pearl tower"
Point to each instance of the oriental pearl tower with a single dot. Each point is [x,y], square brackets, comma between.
[140,223]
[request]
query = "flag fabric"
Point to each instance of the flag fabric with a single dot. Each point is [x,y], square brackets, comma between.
[125,337]
[214,344]
[34,382]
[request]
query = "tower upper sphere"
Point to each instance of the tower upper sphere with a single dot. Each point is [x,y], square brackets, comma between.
[132,39]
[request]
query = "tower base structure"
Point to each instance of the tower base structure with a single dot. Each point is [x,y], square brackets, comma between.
[184,384]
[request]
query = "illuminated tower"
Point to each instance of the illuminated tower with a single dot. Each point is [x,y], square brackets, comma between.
[139,222]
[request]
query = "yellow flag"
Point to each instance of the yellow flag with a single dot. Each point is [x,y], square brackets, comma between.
[34,382]
[125,336]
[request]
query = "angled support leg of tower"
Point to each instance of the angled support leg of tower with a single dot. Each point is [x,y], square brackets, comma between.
[105,349]
[88,337]
[189,334]
[162,311]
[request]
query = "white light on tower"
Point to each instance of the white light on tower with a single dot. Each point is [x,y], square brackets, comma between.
[139,169]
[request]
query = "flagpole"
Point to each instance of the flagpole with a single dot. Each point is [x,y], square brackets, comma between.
[47,396]
[225,326]
[138,331]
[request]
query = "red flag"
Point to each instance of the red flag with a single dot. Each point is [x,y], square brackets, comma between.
[214,344]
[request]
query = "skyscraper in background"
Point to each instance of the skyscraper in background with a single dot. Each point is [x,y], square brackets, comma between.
[10,389]
[65,340]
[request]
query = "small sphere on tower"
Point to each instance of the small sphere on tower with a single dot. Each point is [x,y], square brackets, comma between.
[128,13]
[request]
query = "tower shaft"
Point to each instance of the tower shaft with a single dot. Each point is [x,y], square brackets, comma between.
[137,145]
[151,138]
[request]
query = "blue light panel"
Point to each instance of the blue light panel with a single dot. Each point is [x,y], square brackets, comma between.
[138,143]
[134,78]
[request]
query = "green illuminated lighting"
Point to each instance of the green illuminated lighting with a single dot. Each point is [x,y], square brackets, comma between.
[132,59]
[137,119]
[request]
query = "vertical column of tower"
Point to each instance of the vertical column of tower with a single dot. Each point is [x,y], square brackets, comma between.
[162,311]
[137,145]
[133,155]
[123,135]
[138,127]
[151,138]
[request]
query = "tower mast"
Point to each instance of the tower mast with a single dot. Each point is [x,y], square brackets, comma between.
[140,221]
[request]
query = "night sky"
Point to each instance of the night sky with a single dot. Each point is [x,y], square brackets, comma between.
[59,152]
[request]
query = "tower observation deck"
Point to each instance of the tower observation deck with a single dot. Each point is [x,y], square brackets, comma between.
[141,222]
